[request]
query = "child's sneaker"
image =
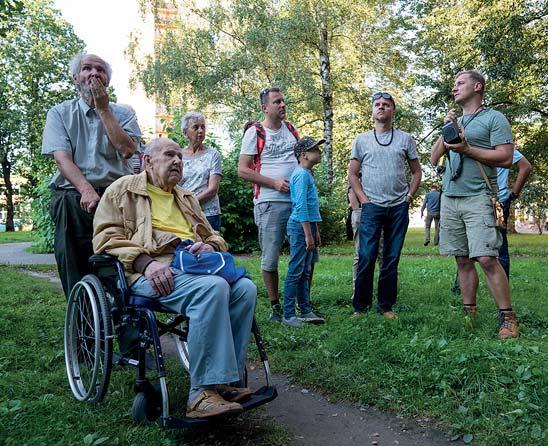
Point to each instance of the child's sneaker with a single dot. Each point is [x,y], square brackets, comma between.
[312,318]
[275,313]
[292,322]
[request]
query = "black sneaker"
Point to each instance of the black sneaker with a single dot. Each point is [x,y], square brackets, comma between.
[275,313]
[427,242]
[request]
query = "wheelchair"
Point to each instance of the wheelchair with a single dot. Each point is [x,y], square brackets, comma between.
[101,309]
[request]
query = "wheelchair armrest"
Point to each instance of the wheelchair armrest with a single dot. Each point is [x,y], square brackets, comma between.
[103,259]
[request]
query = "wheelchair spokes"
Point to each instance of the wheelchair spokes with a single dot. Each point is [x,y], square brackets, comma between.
[88,340]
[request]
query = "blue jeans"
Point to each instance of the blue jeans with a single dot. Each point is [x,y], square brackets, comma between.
[214,221]
[504,254]
[298,271]
[393,221]
[220,317]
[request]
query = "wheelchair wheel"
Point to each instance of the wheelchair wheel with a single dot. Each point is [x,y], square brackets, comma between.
[88,340]
[182,346]
[146,408]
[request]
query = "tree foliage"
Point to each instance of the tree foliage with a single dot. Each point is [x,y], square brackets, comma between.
[36,47]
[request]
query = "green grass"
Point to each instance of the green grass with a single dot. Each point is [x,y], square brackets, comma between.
[431,361]
[15,237]
[37,407]
[520,244]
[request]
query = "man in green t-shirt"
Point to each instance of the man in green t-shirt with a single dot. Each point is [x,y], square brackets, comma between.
[468,229]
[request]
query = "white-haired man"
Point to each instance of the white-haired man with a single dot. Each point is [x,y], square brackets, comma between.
[141,219]
[92,142]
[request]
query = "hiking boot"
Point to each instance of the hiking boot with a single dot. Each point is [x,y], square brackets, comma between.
[210,404]
[292,322]
[234,394]
[426,243]
[312,318]
[275,313]
[508,326]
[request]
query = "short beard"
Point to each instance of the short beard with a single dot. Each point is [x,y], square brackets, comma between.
[85,90]
[382,120]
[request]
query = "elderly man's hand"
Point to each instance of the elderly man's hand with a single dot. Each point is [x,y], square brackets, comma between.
[99,93]
[160,277]
[199,247]
[89,200]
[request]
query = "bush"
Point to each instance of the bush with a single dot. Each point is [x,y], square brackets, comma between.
[239,228]
[44,229]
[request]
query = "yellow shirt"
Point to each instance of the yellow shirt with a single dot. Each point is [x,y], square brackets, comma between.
[166,215]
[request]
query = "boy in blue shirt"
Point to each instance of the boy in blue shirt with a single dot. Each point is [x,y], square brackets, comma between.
[302,230]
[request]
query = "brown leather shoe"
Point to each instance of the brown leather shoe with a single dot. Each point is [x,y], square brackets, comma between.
[508,327]
[210,404]
[234,394]
[390,315]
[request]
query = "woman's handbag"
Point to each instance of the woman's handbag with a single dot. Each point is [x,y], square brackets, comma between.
[217,263]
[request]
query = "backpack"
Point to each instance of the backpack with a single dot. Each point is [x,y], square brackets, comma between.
[261,140]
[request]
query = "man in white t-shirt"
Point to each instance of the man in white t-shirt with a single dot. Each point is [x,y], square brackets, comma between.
[267,160]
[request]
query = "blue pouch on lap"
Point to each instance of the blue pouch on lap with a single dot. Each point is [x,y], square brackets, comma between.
[217,263]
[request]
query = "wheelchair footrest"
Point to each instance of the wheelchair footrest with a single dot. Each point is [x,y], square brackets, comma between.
[262,396]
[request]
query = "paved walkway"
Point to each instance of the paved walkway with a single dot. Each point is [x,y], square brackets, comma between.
[15,254]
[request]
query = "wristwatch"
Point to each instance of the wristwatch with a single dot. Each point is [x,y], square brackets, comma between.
[410,197]
[514,196]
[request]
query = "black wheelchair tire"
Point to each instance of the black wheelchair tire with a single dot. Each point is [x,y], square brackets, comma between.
[88,340]
[145,409]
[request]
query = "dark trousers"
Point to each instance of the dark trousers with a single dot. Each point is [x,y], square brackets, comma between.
[394,222]
[504,254]
[73,235]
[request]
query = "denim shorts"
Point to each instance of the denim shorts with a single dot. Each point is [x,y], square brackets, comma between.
[271,220]
[467,227]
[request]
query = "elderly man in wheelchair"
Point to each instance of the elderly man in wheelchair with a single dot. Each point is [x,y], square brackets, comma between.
[140,220]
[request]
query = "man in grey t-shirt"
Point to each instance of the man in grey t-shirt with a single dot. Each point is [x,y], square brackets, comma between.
[92,142]
[269,169]
[468,229]
[384,194]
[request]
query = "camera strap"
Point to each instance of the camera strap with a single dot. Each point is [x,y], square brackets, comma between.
[458,172]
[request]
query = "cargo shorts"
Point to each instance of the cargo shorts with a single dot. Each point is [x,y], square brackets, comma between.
[271,220]
[467,227]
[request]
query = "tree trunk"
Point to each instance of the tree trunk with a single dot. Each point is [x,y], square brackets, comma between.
[511,228]
[327,97]
[6,175]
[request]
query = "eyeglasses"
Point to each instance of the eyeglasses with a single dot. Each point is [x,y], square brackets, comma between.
[383,95]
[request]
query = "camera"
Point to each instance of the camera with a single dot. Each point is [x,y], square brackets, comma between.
[450,133]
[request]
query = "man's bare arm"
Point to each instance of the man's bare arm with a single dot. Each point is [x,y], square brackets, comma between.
[72,173]
[354,179]
[524,170]
[116,134]
[500,156]
[416,175]
[246,172]
[438,150]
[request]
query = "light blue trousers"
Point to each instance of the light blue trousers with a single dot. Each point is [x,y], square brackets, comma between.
[220,317]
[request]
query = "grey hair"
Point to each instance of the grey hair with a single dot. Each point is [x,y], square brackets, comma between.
[191,116]
[154,144]
[76,64]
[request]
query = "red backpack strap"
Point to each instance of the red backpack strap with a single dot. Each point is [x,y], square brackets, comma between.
[261,140]
[292,129]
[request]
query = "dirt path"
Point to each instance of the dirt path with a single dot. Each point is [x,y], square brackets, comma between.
[312,420]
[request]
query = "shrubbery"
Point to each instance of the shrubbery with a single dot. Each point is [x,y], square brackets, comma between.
[43,227]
